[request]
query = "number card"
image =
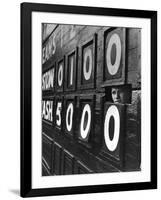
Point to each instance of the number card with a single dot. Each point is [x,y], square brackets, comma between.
[70,114]
[114,133]
[71,71]
[47,110]
[58,115]
[114,56]
[48,79]
[60,75]
[88,63]
[86,120]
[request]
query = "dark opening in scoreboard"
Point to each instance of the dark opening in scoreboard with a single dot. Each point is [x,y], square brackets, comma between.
[91,99]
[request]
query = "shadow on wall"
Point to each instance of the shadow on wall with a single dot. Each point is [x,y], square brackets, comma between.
[15,192]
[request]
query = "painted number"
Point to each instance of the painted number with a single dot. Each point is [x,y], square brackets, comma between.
[113,54]
[71,70]
[85,121]
[60,75]
[87,64]
[58,113]
[112,112]
[69,117]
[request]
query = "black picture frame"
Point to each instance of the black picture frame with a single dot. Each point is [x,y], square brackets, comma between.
[26,99]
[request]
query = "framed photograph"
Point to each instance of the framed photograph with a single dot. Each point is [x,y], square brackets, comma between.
[88,99]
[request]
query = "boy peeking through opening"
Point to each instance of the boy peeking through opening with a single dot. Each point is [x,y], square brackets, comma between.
[120,94]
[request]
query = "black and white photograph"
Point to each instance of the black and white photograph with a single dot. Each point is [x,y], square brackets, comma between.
[88,100]
[91,99]
[80,100]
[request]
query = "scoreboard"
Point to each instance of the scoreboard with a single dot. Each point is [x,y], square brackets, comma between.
[84,130]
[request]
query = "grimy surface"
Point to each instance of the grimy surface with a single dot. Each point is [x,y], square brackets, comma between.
[83,131]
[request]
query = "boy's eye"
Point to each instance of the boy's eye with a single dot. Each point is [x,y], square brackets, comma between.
[114,92]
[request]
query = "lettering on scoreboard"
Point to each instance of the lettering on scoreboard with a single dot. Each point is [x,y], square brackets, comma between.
[84,107]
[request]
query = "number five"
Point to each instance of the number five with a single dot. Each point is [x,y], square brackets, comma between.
[58,113]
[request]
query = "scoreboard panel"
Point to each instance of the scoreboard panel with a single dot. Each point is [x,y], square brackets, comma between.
[88,63]
[71,70]
[91,100]
[114,133]
[69,115]
[47,110]
[85,125]
[114,56]
[58,114]
[60,75]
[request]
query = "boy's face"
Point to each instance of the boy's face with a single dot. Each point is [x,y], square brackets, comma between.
[118,95]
